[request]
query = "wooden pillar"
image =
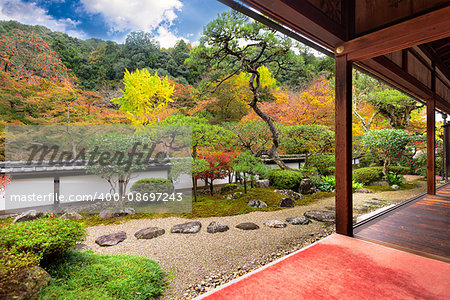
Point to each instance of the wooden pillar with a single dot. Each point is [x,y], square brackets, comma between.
[343,146]
[431,131]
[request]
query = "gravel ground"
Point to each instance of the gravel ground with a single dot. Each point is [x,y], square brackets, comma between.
[198,262]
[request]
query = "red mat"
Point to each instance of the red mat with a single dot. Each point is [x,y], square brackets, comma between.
[340,267]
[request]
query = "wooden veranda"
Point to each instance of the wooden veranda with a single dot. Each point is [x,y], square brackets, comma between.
[406,43]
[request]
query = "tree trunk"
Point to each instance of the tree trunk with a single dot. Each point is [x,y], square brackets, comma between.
[211,188]
[194,186]
[245,185]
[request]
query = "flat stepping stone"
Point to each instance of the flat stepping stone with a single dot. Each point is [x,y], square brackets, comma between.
[149,233]
[111,239]
[214,227]
[275,224]
[247,226]
[321,215]
[189,227]
[363,191]
[286,202]
[257,203]
[298,221]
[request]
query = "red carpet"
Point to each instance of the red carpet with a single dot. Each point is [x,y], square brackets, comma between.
[340,267]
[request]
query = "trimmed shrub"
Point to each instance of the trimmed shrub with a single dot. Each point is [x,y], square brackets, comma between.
[152,185]
[394,178]
[398,170]
[85,275]
[324,164]
[285,179]
[229,187]
[43,237]
[367,175]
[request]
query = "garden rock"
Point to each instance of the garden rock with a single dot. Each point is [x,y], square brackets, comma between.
[111,239]
[257,203]
[320,215]
[237,195]
[395,187]
[149,233]
[290,194]
[214,227]
[27,284]
[28,216]
[189,227]
[286,202]
[306,187]
[264,183]
[298,221]
[247,226]
[275,224]
[72,216]
[363,191]
[116,212]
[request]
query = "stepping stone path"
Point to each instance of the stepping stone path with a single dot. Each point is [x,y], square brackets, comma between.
[116,212]
[363,191]
[70,215]
[298,221]
[149,233]
[286,202]
[275,224]
[28,216]
[290,194]
[111,239]
[189,227]
[257,203]
[214,227]
[321,215]
[265,183]
[247,226]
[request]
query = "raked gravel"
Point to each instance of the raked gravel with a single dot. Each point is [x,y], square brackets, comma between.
[190,258]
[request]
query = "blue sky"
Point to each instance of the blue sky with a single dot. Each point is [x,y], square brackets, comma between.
[168,20]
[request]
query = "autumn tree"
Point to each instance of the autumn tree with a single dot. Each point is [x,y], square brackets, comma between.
[145,96]
[223,56]
[220,166]
[27,57]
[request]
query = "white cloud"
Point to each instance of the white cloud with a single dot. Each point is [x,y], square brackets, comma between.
[146,15]
[166,38]
[31,14]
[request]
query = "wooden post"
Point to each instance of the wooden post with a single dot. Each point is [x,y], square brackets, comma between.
[343,152]
[431,130]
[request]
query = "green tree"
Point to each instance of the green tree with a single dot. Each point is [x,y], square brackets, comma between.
[386,144]
[223,55]
[248,166]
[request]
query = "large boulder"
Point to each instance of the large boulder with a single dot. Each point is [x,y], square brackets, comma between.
[275,224]
[111,239]
[28,216]
[306,187]
[71,215]
[321,215]
[263,183]
[298,221]
[26,285]
[257,203]
[247,226]
[214,227]
[290,194]
[116,212]
[189,227]
[286,202]
[149,233]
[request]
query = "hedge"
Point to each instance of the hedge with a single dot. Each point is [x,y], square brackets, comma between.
[152,185]
[285,179]
[323,163]
[371,174]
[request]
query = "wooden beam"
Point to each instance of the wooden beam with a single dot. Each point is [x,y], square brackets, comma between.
[343,152]
[423,29]
[431,129]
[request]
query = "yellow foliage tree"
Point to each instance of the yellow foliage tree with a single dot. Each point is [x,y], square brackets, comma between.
[145,97]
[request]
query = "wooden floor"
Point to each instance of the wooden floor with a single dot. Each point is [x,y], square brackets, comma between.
[420,226]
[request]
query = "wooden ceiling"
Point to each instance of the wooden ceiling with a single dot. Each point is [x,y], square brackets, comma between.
[405,42]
